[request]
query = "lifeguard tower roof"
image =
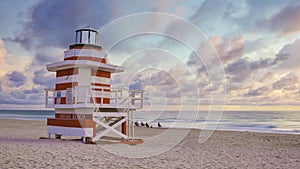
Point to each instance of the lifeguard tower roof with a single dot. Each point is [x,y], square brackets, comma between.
[53,67]
[85,52]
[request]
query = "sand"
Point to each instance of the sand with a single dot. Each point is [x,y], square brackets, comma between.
[20,147]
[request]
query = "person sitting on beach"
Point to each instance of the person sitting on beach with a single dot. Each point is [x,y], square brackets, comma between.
[136,123]
[142,123]
[147,125]
[158,124]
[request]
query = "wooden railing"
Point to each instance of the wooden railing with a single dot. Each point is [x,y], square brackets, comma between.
[49,98]
[87,95]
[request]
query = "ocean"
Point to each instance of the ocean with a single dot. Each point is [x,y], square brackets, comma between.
[26,114]
[255,121]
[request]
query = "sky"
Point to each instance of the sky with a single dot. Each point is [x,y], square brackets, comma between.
[202,52]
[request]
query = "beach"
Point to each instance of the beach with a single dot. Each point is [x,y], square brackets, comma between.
[21,147]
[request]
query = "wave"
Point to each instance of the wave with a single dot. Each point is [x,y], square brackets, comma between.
[278,122]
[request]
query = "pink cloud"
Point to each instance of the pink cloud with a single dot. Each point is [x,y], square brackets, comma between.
[288,82]
[231,49]
[292,51]
[286,21]
[3,51]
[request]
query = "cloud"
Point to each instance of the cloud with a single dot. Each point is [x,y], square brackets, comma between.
[50,22]
[242,69]
[46,55]
[48,31]
[291,51]
[248,17]
[163,5]
[160,85]
[258,92]
[19,98]
[229,50]
[287,82]
[16,79]
[159,79]
[42,78]
[209,9]
[12,59]
[32,91]
[234,17]
[285,21]
[3,52]
[173,83]
[237,9]
[46,58]
[18,95]
[231,18]
[267,77]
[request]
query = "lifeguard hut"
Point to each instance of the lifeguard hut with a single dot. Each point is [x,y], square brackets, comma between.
[85,103]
